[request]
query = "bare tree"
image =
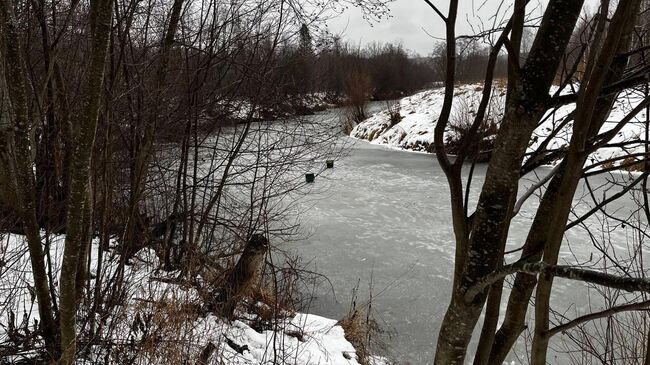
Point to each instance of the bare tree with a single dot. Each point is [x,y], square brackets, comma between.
[24,181]
[481,235]
[79,202]
[141,131]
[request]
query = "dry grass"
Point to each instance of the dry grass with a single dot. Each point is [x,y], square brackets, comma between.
[461,122]
[357,331]
[161,331]
[169,323]
[632,164]
[608,165]
[394,109]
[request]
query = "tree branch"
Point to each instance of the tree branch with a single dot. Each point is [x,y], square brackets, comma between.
[435,8]
[533,188]
[562,271]
[607,201]
[625,83]
[604,313]
[485,97]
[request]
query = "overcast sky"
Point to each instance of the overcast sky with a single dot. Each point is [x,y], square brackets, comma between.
[411,20]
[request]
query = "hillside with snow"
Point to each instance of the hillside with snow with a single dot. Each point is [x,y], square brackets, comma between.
[418,115]
[157,305]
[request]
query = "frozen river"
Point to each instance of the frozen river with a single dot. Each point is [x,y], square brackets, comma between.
[383,216]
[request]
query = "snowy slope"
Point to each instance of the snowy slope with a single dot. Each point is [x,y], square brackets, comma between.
[420,112]
[152,298]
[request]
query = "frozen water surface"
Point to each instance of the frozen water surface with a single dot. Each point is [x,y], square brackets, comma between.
[386,214]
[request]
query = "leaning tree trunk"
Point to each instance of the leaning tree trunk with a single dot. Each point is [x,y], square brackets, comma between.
[25,181]
[619,34]
[84,138]
[540,233]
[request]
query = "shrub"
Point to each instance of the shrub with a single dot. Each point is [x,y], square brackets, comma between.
[357,86]
[393,108]
[462,121]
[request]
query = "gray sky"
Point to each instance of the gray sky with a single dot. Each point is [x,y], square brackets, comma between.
[408,17]
[411,20]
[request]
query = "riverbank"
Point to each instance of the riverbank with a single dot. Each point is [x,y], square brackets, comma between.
[414,128]
[159,306]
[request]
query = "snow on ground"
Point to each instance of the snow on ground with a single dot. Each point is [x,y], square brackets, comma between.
[154,304]
[420,112]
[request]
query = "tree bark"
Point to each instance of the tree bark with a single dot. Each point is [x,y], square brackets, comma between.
[84,137]
[492,215]
[617,41]
[25,180]
[548,225]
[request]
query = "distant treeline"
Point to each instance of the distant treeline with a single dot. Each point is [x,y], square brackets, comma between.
[378,71]
[471,62]
[382,71]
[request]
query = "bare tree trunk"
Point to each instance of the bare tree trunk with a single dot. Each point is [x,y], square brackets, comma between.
[100,21]
[547,227]
[514,322]
[646,360]
[619,36]
[86,239]
[492,310]
[493,306]
[144,146]
[523,111]
[25,181]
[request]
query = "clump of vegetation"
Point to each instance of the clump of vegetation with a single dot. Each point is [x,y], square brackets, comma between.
[392,71]
[358,86]
[460,127]
[362,330]
[633,164]
[357,329]
[393,109]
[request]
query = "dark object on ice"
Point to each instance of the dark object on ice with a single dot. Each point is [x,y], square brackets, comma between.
[309,177]
[236,347]
[329,163]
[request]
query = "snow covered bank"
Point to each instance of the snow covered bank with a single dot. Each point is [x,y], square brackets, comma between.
[420,112]
[418,115]
[155,321]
